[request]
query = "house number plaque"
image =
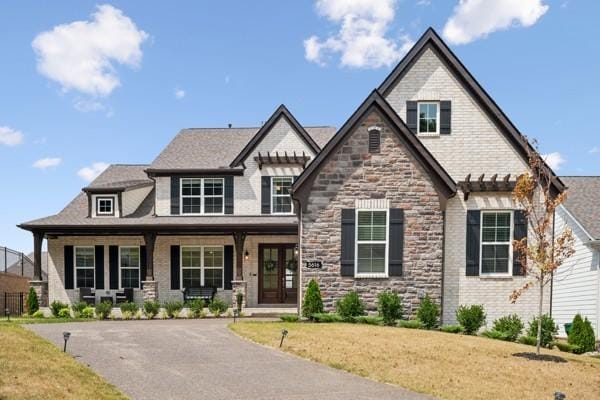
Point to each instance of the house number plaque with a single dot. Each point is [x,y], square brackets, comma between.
[314,264]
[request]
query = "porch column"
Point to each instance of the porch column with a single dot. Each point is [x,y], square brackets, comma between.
[150,286]
[40,286]
[239,286]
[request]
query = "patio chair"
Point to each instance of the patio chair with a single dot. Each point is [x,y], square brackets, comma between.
[86,295]
[126,296]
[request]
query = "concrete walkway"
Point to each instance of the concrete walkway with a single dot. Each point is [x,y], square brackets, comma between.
[202,359]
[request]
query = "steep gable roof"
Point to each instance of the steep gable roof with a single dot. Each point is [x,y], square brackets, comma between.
[441,179]
[281,112]
[582,202]
[431,40]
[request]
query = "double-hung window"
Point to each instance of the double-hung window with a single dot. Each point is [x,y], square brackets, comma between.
[281,195]
[496,246]
[202,266]
[129,263]
[202,195]
[371,243]
[104,206]
[84,266]
[429,117]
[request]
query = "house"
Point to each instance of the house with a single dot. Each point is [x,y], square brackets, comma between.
[576,284]
[412,193]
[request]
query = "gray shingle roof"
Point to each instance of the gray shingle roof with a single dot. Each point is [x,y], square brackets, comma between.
[213,148]
[121,176]
[583,195]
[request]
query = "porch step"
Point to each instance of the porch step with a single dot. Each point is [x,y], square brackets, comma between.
[269,312]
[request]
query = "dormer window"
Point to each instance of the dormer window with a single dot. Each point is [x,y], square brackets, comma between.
[105,206]
[429,117]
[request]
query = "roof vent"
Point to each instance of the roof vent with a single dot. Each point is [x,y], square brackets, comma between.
[374,139]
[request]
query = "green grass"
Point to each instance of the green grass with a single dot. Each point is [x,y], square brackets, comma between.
[33,368]
[53,320]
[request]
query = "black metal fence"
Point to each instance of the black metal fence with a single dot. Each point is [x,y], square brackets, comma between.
[15,262]
[14,303]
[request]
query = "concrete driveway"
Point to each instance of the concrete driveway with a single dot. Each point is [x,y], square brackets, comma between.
[202,359]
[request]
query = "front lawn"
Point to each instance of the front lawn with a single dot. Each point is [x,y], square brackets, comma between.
[33,368]
[445,365]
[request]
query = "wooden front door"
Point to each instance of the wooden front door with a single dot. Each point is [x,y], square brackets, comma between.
[277,274]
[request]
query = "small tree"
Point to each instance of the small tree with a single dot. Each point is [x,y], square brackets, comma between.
[389,306]
[428,313]
[312,303]
[32,301]
[546,250]
[582,334]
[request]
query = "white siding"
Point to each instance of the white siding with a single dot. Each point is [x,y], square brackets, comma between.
[133,198]
[576,286]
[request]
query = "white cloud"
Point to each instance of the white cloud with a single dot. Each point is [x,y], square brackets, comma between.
[88,105]
[424,2]
[90,173]
[9,136]
[80,55]
[227,79]
[554,160]
[179,93]
[594,150]
[475,19]
[48,162]
[361,40]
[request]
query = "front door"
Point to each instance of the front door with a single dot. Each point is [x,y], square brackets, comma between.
[277,274]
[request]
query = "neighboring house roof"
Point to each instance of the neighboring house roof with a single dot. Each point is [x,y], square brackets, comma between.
[583,201]
[431,39]
[441,179]
[26,268]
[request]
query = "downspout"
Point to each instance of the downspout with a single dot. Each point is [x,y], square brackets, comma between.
[443,266]
[552,273]
[298,205]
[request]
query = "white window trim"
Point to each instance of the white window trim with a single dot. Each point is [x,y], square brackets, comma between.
[139,267]
[75,267]
[281,195]
[508,273]
[202,267]
[181,196]
[112,206]
[386,242]
[437,117]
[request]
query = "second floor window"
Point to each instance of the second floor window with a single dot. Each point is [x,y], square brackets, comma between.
[429,116]
[104,206]
[202,195]
[280,192]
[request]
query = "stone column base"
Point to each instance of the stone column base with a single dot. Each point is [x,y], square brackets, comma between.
[150,290]
[239,287]
[41,289]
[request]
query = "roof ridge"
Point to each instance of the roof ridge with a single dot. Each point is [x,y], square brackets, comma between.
[129,164]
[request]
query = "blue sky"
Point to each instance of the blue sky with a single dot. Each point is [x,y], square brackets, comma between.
[204,64]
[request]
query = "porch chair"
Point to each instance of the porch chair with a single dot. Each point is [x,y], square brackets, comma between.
[87,296]
[126,296]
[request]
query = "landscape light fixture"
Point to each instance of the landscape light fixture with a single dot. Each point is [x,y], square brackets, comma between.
[7,313]
[66,336]
[284,333]
[559,396]
[236,314]
[246,255]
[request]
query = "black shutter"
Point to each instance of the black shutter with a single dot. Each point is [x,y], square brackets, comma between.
[445,117]
[175,268]
[228,264]
[265,195]
[99,260]
[519,232]
[229,195]
[396,241]
[174,195]
[69,267]
[473,228]
[142,265]
[113,266]
[411,115]
[348,234]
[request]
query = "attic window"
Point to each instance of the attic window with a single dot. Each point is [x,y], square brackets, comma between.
[374,139]
[105,206]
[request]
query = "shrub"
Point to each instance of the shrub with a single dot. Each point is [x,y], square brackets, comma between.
[498,335]
[78,307]
[326,317]
[312,303]
[528,340]
[217,307]
[289,317]
[151,309]
[103,309]
[56,306]
[567,347]
[239,300]
[549,329]
[511,325]
[195,306]
[411,324]
[38,314]
[33,304]
[582,334]
[389,306]
[452,329]
[428,313]
[130,307]
[173,308]
[87,312]
[64,313]
[369,320]
[350,306]
[471,318]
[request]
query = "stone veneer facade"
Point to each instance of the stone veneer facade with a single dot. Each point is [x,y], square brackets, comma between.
[353,175]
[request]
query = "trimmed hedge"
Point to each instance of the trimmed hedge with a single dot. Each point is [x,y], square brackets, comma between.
[452,329]
[326,317]
[411,324]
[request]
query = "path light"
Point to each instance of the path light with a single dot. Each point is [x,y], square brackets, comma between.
[559,396]
[7,313]
[284,333]
[236,314]
[66,336]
